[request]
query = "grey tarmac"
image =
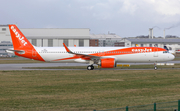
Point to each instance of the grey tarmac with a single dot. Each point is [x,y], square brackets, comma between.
[23,66]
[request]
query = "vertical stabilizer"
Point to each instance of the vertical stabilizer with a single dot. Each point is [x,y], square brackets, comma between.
[20,42]
[22,47]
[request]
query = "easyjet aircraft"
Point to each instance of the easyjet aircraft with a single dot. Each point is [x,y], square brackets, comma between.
[106,57]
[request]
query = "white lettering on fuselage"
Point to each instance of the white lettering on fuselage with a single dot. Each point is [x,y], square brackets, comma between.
[142,50]
[19,36]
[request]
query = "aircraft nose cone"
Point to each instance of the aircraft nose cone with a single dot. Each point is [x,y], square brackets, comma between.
[171,57]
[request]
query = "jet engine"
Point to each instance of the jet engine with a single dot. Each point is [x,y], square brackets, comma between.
[108,63]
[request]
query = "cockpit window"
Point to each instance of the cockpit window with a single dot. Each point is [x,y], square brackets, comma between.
[165,52]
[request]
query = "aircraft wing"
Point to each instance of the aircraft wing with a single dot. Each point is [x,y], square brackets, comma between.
[84,56]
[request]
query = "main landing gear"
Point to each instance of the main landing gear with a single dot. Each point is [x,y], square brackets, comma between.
[90,67]
[155,67]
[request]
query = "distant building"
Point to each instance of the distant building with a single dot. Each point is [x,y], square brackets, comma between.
[3,46]
[173,44]
[107,40]
[47,37]
[51,37]
[56,37]
[94,42]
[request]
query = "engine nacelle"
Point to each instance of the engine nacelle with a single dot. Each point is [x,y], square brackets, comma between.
[108,63]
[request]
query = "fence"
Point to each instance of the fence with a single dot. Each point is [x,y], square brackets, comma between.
[165,106]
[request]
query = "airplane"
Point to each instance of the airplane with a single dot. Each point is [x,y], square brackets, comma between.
[106,57]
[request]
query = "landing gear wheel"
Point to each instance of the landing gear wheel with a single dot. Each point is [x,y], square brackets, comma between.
[155,67]
[90,67]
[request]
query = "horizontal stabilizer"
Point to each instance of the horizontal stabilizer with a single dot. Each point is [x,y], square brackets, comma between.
[13,51]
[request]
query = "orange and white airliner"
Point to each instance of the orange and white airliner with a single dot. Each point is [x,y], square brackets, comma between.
[106,57]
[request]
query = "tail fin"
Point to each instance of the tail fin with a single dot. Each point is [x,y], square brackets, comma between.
[20,42]
[22,47]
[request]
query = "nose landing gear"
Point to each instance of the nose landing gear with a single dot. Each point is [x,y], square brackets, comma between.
[155,67]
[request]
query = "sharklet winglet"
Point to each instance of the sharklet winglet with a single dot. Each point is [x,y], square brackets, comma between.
[67,49]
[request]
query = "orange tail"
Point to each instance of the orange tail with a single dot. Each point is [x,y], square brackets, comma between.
[19,40]
[22,47]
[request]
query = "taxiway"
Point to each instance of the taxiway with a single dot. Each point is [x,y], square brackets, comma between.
[23,66]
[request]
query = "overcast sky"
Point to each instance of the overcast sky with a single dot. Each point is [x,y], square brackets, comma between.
[126,18]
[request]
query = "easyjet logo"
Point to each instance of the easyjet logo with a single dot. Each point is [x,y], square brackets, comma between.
[142,50]
[19,36]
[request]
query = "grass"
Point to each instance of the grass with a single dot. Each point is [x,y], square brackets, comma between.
[77,90]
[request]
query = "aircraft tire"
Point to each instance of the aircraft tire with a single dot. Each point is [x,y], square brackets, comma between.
[92,67]
[89,67]
[155,68]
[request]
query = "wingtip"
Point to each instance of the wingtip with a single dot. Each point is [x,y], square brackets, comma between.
[66,47]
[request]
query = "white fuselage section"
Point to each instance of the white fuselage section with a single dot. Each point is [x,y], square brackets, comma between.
[59,54]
